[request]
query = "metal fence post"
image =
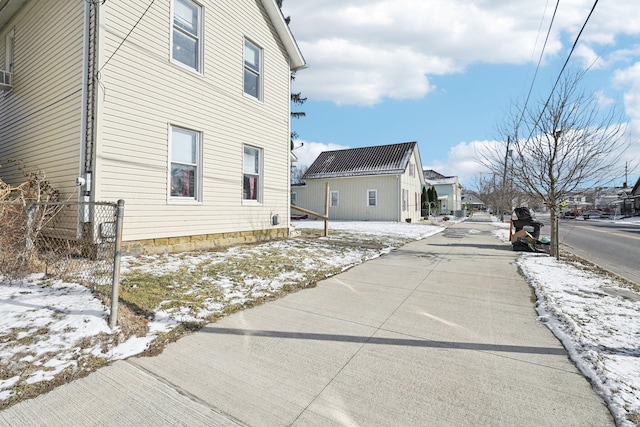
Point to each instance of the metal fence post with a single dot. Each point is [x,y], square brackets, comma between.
[115,283]
[29,238]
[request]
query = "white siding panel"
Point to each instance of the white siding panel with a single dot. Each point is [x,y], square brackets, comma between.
[144,93]
[352,204]
[40,119]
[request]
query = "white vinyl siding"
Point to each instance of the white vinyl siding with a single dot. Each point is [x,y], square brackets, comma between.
[352,191]
[40,119]
[142,94]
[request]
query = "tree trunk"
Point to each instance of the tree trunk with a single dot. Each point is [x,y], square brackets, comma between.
[554,234]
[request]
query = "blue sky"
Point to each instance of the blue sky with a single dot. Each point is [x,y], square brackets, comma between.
[445,73]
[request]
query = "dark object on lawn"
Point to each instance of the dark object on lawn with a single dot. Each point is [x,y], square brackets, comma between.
[295,216]
[526,233]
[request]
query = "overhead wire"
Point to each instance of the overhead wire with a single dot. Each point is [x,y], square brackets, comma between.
[535,74]
[127,36]
[566,62]
[97,3]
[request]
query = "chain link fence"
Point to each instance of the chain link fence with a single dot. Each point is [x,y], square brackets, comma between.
[72,241]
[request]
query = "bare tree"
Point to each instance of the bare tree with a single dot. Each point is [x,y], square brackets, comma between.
[561,145]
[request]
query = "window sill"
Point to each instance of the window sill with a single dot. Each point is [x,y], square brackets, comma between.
[252,98]
[183,202]
[251,203]
[180,65]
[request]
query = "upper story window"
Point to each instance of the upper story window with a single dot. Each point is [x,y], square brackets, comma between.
[252,174]
[252,70]
[185,147]
[186,37]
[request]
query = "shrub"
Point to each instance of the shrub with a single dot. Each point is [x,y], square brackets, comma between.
[15,250]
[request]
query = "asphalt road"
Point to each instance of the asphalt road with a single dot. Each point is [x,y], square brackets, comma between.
[613,246]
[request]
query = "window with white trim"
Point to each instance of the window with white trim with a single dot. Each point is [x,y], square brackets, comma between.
[294,198]
[8,52]
[252,70]
[372,198]
[185,166]
[252,174]
[334,198]
[405,200]
[186,36]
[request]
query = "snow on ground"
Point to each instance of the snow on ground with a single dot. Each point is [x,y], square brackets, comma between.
[42,321]
[597,320]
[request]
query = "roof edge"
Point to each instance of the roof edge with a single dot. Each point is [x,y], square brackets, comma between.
[297,61]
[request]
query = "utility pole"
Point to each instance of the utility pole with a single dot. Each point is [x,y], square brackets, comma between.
[504,181]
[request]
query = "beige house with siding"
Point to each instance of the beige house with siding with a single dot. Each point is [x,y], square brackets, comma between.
[181,108]
[381,183]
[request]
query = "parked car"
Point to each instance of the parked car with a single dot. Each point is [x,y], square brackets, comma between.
[592,214]
[568,215]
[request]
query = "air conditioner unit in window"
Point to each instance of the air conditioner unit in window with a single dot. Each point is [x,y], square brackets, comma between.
[6,81]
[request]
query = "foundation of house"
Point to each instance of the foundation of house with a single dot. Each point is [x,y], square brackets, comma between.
[200,242]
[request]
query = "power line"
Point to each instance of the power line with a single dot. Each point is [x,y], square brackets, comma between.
[127,36]
[526,102]
[575,43]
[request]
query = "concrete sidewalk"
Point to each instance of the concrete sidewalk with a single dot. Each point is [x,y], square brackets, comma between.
[441,332]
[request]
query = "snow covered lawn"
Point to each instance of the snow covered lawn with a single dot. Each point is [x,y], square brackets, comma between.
[51,331]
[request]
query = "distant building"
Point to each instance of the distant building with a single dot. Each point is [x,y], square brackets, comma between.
[448,188]
[380,183]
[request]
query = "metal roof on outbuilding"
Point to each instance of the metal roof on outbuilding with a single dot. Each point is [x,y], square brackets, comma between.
[379,160]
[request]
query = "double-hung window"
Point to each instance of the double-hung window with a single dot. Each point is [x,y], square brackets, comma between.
[334,198]
[372,198]
[186,37]
[294,198]
[252,174]
[8,52]
[186,165]
[252,70]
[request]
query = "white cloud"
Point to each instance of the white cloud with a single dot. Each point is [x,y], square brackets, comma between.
[630,78]
[310,151]
[463,161]
[364,52]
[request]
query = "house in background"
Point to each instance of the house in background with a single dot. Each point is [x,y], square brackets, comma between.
[449,191]
[181,108]
[471,202]
[381,183]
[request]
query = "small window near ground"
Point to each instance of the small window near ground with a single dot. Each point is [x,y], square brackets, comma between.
[372,198]
[334,198]
[252,176]
[185,148]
